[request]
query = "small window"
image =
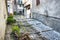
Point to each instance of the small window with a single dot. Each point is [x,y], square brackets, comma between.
[37,2]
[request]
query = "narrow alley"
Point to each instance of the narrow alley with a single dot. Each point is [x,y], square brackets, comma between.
[44,31]
[29,19]
[25,27]
[35,29]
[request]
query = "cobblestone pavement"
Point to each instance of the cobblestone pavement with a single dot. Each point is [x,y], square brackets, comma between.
[25,27]
[8,32]
[37,30]
[46,31]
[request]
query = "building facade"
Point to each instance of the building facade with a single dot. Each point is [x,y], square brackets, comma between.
[3,17]
[10,4]
[48,12]
[18,7]
[28,6]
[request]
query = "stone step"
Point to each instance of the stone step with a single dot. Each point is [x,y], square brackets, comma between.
[44,30]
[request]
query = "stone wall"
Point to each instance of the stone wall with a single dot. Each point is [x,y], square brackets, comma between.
[49,21]
[3,17]
[48,12]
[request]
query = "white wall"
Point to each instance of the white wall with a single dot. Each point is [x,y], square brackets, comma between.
[3,17]
[53,10]
[27,12]
[52,6]
[10,8]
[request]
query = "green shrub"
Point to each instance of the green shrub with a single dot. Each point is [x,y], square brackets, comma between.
[10,20]
[10,17]
[15,13]
[16,29]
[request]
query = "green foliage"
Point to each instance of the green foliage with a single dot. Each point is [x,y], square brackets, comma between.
[10,16]
[16,29]
[10,20]
[15,13]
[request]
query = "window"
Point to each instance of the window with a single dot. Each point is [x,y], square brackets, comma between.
[37,2]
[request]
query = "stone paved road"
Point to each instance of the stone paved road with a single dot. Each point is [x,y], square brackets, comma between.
[8,32]
[28,29]
[46,31]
